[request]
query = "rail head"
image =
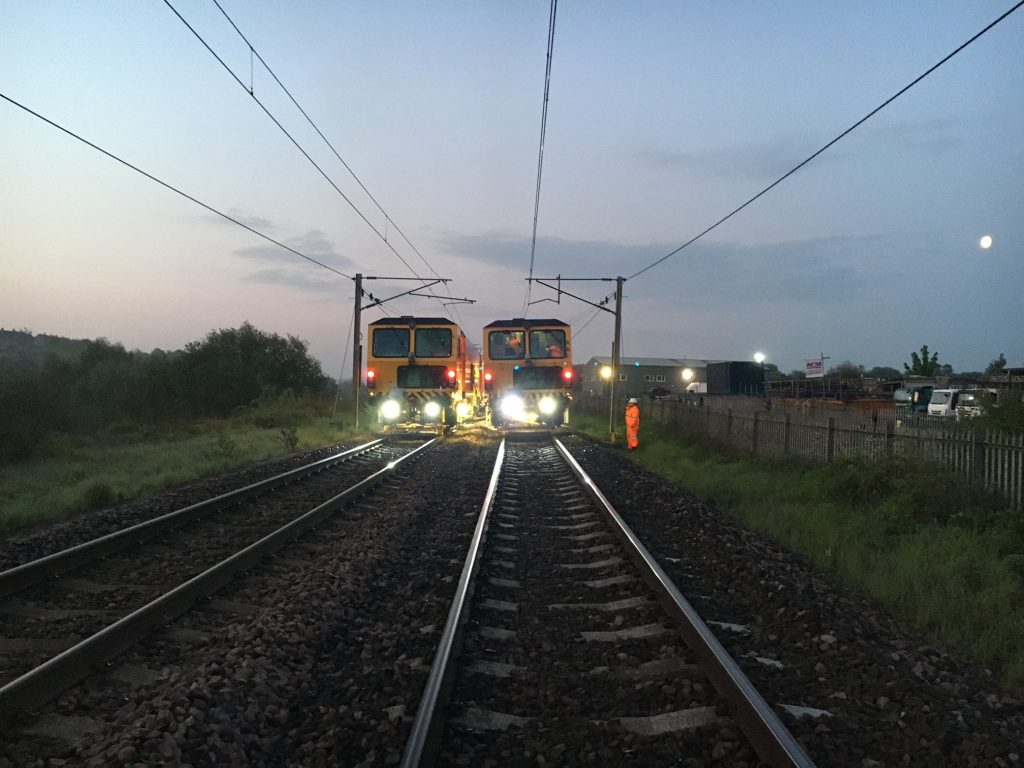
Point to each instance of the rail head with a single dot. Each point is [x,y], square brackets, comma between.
[768,735]
[59,673]
[25,575]
[426,725]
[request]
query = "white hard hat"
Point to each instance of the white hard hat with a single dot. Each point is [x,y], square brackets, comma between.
[633,400]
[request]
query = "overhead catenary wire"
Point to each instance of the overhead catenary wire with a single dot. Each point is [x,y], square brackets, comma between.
[174,189]
[389,220]
[552,13]
[294,141]
[842,135]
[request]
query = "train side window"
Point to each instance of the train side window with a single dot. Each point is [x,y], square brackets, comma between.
[391,342]
[506,345]
[547,344]
[433,342]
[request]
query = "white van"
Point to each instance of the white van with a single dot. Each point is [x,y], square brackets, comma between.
[943,402]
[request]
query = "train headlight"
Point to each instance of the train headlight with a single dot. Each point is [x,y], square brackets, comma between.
[432,410]
[512,407]
[548,405]
[463,409]
[390,410]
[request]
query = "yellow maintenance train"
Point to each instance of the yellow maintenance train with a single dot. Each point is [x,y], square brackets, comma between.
[527,371]
[419,369]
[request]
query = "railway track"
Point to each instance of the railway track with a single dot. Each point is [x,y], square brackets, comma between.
[65,614]
[565,640]
[321,655]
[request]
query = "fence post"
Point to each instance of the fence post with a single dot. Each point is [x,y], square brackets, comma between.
[830,442]
[728,424]
[890,440]
[978,457]
[785,437]
[753,437]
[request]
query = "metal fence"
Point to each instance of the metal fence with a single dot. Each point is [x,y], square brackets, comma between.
[992,459]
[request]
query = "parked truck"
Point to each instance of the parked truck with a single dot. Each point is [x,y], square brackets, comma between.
[910,400]
[735,378]
[971,402]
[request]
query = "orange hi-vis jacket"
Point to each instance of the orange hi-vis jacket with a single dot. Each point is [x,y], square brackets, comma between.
[632,425]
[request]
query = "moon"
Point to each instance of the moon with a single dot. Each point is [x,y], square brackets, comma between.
[985,242]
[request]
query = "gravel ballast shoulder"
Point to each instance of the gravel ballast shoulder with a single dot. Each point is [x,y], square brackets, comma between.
[877,693]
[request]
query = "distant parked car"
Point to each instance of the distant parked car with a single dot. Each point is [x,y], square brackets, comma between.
[660,393]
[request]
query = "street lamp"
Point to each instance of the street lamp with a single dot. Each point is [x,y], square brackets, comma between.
[687,375]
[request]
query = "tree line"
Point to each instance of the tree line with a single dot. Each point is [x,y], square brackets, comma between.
[922,363]
[106,384]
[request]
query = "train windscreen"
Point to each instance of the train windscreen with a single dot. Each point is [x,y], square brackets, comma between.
[433,342]
[548,344]
[533,377]
[391,342]
[506,345]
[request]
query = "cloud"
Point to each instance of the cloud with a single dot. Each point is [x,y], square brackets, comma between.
[313,244]
[932,137]
[256,222]
[292,271]
[820,270]
[315,280]
[764,161]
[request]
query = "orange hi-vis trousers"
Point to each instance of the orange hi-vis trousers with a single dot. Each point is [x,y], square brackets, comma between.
[632,426]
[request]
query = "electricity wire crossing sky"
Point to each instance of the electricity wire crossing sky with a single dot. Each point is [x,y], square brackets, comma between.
[255,156]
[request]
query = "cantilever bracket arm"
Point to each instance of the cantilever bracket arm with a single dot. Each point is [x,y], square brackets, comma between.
[411,292]
[560,290]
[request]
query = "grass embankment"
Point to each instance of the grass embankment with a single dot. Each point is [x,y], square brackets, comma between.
[931,550]
[73,474]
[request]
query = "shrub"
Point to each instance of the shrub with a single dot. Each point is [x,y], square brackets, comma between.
[860,481]
[226,447]
[98,495]
[289,438]
[931,493]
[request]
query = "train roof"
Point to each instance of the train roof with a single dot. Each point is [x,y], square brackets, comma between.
[409,320]
[521,322]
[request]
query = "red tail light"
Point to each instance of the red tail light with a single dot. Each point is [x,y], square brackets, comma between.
[371,379]
[488,381]
[567,377]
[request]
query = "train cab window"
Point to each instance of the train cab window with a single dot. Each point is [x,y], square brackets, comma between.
[549,344]
[433,342]
[506,345]
[390,342]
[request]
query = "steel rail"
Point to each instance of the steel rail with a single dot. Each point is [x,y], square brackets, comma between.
[40,685]
[426,727]
[25,575]
[770,738]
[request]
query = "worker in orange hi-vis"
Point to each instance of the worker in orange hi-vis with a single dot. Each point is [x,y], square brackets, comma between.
[632,424]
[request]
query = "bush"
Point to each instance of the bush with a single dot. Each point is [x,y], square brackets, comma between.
[226,447]
[861,481]
[98,495]
[932,493]
[289,438]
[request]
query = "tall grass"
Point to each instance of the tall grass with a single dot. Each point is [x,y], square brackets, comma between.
[933,551]
[129,461]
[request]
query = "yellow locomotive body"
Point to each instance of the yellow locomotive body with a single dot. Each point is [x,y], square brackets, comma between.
[528,373]
[418,370]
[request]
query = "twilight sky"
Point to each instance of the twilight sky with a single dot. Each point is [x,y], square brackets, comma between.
[663,117]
